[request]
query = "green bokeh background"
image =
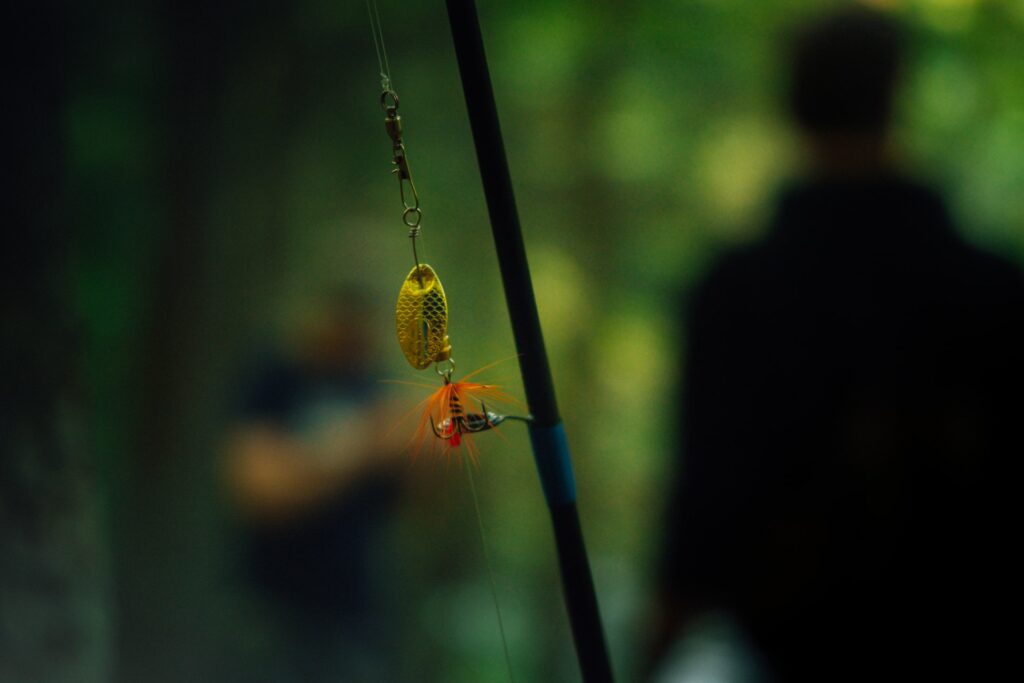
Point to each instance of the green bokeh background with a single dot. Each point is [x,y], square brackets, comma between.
[227,163]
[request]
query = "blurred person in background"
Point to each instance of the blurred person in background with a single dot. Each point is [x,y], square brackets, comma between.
[315,482]
[853,412]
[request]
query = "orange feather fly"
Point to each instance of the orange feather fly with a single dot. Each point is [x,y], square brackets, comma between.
[442,410]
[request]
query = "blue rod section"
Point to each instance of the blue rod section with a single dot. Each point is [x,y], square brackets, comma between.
[551,453]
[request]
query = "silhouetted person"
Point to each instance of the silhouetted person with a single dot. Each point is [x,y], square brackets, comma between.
[853,412]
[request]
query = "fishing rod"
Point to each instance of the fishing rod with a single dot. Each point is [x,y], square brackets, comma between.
[547,434]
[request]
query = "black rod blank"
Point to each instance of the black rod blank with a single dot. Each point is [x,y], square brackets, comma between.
[546,433]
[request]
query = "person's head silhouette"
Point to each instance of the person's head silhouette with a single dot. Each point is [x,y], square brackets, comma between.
[843,77]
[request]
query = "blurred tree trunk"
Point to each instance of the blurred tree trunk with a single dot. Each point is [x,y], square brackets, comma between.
[161,549]
[173,609]
[53,607]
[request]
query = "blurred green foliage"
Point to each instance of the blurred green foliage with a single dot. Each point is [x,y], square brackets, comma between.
[225,165]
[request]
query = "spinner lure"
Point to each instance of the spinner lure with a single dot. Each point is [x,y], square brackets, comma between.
[458,409]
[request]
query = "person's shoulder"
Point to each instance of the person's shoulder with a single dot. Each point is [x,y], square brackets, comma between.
[991,280]
[992,268]
[270,365]
[734,276]
[268,384]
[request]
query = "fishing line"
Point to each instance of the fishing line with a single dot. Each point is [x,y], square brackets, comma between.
[377,30]
[490,570]
[421,324]
[412,214]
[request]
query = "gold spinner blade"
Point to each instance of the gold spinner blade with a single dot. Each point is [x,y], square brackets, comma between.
[421,318]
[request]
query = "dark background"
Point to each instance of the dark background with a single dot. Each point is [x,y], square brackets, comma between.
[188,175]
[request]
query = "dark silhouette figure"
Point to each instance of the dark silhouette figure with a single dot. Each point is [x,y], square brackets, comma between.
[853,410]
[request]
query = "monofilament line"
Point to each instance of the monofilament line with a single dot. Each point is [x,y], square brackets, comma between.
[490,571]
[377,30]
